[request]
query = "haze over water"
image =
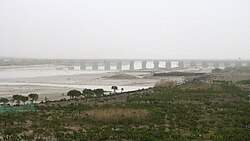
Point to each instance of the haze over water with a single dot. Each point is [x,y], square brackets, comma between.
[181,29]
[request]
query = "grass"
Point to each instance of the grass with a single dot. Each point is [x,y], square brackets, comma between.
[118,114]
[192,111]
[202,87]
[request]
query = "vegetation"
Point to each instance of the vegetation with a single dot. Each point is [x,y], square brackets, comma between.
[245,69]
[17,109]
[19,98]
[118,114]
[98,92]
[74,94]
[88,93]
[115,88]
[178,74]
[244,82]
[4,101]
[191,111]
[33,97]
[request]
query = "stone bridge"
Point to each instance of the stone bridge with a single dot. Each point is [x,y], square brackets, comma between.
[119,64]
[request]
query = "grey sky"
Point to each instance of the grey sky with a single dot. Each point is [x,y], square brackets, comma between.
[125,29]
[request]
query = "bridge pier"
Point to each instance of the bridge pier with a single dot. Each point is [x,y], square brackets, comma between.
[227,64]
[156,64]
[71,68]
[119,65]
[83,66]
[248,63]
[131,65]
[69,63]
[192,64]
[144,65]
[168,64]
[1,62]
[107,65]
[180,64]
[238,64]
[216,65]
[95,66]
[204,64]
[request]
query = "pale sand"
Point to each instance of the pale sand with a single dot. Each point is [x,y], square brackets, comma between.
[55,93]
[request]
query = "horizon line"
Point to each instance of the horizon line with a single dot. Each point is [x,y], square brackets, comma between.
[49,58]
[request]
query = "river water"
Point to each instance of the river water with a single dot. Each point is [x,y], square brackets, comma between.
[20,72]
[7,74]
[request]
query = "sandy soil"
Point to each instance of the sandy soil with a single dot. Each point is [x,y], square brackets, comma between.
[53,93]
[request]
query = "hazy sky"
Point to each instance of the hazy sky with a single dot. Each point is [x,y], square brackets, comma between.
[125,29]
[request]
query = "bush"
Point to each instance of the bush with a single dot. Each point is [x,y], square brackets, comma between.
[118,114]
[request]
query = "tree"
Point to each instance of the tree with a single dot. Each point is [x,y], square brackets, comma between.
[114,88]
[24,98]
[99,92]
[77,94]
[74,94]
[87,93]
[70,94]
[4,100]
[17,98]
[33,97]
[46,99]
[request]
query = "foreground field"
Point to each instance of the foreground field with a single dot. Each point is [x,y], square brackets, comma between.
[192,111]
